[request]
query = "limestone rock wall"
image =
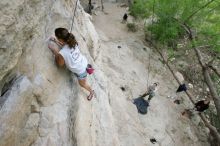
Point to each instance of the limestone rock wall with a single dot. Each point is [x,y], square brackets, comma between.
[15,110]
[39,102]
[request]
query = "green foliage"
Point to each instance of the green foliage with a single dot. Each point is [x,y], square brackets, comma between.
[171,53]
[138,9]
[214,118]
[203,16]
[172,19]
[214,77]
[132,27]
[208,27]
[210,33]
[165,31]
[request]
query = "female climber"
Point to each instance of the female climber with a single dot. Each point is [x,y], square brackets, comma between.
[71,56]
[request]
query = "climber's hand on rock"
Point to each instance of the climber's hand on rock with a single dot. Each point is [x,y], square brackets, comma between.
[53,47]
[52,38]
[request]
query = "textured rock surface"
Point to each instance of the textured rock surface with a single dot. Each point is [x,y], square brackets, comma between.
[14,112]
[46,107]
[51,105]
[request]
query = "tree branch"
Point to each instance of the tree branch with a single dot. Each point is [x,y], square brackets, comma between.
[207,78]
[211,61]
[198,10]
[198,54]
[205,46]
[213,130]
[205,71]
[215,70]
[185,27]
[208,81]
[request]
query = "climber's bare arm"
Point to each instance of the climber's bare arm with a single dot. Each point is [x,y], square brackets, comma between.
[55,50]
[59,59]
[53,47]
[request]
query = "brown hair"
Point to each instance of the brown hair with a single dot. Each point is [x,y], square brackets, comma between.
[63,34]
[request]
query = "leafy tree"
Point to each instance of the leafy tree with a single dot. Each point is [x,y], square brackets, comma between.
[196,19]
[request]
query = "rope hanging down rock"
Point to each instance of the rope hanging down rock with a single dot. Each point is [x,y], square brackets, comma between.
[148,69]
[73,16]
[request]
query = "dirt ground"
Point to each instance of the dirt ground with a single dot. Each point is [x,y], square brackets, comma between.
[129,63]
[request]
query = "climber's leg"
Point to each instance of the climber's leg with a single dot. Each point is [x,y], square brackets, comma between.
[145,94]
[83,83]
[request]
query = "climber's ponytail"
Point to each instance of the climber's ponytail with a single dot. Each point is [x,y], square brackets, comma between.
[62,33]
[71,41]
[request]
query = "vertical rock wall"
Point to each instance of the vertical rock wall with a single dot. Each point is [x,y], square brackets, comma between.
[39,102]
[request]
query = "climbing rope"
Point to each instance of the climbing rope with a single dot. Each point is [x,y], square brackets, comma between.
[74,12]
[148,69]
[149,60]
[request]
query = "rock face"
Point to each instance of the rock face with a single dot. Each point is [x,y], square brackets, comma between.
[43,105]
[15,110]
[39,108]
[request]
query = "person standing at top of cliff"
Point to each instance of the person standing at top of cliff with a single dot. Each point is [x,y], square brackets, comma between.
[125,17]
[199,107]
[70,55]
[202,105]
[150,91]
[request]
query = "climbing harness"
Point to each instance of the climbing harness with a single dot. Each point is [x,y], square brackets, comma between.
[74,12]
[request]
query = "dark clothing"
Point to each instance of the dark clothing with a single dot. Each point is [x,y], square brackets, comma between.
[201,106]
[153,140]
[150,91]
[145,94]
[141,105]
[125,17]
[181,88]
[151,95]
[177,101]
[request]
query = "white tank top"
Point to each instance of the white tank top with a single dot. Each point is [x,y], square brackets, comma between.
[74,60]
